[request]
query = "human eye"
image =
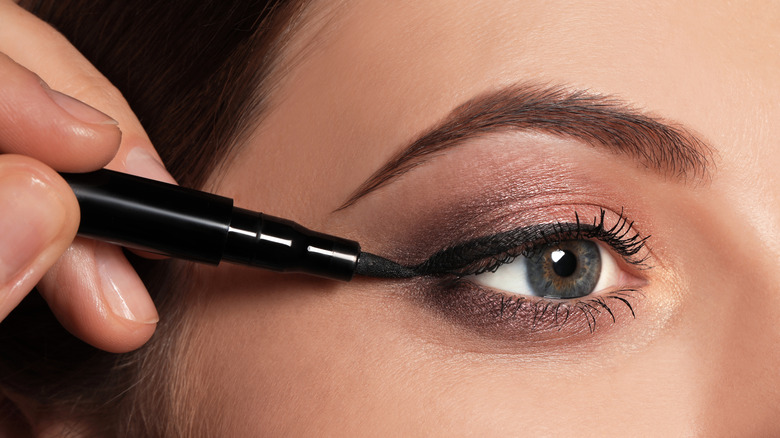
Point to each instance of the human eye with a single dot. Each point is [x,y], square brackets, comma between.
[557,270]
[557,273]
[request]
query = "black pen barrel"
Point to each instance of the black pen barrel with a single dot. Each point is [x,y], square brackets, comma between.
[167,219]
[151,215]
[270,242]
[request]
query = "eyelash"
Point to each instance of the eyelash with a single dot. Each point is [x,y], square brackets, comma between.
[619,237]
[487,254]
[562,310]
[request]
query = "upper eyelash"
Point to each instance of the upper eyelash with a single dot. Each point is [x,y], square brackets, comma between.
[620,237]
[487,254]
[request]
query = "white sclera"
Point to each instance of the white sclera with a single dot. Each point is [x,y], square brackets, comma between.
[509,277]
[513,277]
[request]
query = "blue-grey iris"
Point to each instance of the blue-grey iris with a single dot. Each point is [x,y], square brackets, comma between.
[568,269]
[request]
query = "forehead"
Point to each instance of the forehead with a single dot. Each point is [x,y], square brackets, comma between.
[362,78]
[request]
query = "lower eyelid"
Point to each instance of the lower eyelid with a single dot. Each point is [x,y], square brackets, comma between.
[522,321]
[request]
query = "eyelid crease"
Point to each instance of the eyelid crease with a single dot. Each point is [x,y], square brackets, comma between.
[598,120]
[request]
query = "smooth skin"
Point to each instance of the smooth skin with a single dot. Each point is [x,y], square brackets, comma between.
[59,114]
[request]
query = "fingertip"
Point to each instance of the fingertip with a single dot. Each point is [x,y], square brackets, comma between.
[132,337]
[39,220]
[142,161]
[123,291]
[95,293]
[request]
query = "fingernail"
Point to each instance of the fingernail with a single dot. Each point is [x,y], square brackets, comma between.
[78,109]
[31,216]
[123,291]
[140,162]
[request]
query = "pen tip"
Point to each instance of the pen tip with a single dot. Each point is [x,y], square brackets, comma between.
[371,265]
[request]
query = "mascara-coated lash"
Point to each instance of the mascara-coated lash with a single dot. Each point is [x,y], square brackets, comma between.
[486,254]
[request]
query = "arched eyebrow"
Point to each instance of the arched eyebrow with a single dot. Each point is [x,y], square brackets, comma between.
[601,121]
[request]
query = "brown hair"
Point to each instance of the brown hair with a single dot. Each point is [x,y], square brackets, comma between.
[195,72]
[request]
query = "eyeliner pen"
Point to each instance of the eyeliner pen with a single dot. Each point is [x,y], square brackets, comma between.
[167,219]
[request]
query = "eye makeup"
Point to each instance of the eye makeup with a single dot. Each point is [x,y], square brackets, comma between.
[448,285]
[486,254]
[491,208]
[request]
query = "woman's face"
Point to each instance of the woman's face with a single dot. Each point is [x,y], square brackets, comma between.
[443,355]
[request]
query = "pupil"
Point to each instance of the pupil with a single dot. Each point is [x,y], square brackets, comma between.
[564,262]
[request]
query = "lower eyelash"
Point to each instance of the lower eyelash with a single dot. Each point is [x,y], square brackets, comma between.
[534,314]
[589,308]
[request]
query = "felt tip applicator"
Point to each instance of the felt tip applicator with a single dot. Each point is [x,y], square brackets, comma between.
[189,224]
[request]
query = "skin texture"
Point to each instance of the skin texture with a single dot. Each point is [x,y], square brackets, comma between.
[272,354]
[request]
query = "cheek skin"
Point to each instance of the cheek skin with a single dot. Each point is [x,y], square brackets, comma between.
[304,349]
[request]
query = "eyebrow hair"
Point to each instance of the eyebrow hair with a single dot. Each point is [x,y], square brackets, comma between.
[598,120]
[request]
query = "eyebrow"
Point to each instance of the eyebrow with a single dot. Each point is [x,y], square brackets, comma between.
[601,121]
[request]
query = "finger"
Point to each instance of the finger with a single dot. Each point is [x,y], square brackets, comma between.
[46,52]
[106,304]
[57,60]
[79,287]
[56,129]
[39,220]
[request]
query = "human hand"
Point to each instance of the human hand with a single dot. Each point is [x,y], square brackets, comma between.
[90,286]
